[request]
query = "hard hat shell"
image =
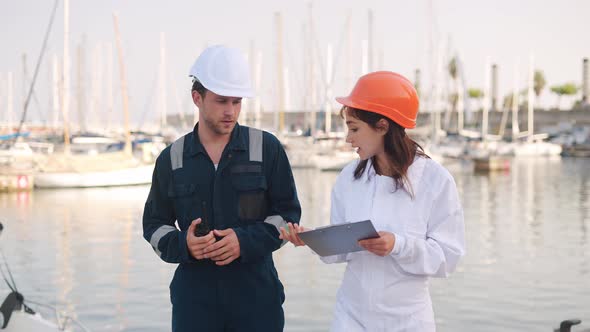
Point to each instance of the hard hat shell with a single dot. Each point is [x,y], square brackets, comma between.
[386,93]
[224,71]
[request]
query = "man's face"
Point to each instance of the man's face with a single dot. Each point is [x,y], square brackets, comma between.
[218,113]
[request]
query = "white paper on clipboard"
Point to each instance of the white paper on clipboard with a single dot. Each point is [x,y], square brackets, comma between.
[338,239]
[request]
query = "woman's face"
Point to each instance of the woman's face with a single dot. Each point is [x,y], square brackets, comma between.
[367,141]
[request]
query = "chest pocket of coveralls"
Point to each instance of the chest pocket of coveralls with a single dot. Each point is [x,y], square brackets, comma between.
[185,200]
[251,193]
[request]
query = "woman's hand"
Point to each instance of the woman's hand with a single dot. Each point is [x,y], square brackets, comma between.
[292,234]
[380,246]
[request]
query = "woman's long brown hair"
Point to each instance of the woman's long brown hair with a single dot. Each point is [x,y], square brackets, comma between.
[399,148]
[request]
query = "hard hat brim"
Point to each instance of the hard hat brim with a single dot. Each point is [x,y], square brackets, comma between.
[233,92]
[241,93]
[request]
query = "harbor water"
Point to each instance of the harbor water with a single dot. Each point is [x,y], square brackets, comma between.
[527,265]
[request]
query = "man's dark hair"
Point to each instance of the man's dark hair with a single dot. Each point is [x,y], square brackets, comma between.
[197,86]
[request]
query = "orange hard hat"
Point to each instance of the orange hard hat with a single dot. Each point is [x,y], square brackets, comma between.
[386,93]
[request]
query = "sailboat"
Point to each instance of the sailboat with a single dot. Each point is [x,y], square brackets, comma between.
[535,144]
[490,153]
[300,145]
[443,144]
[331,152]
[100,170]
[16,167]
[68,170]
[16,157]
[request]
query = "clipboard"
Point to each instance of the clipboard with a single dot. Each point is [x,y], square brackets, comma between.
[339,239]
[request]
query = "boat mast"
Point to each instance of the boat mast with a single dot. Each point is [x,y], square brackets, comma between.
[81,88]
[364,57]
[434,64]
[370,45]
[55,91]
[495,103]
[515,129]
[286,88]
[280,72]
[96,94]
[531,99]
[462,107]
[460,100]
[312,73]
[163,109]
[109,81]
[66,78]
[2,90]
[179,109]
[485,101]
[24,81]
[9,101]
[328,102]
[247,103]
[257,83]
[349,77]
[124,95]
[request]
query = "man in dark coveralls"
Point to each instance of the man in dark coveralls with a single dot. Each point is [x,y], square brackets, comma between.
[230,189]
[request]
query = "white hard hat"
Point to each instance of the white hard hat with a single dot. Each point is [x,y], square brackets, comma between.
[224,71]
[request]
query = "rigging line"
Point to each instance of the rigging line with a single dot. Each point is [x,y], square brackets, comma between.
[319,59]
[9,273]
[6,280]
[149,105]
[38,104]
[315,51]
[62,319]
[37,67]
[339,52]
[34,95]
[294,74]
[179,109]
[324,79]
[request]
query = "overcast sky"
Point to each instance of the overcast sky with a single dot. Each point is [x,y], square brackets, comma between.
[506,31]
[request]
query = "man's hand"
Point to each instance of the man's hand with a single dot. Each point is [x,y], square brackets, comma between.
[225,250]
[197,244]
[380,246]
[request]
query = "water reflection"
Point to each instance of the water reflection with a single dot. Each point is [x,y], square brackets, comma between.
[78,248]
[526,267]
[310,285]
[65,273]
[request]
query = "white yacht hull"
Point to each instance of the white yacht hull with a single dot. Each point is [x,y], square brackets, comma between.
[334,161]
[531,149]
[119,177]
[21,321]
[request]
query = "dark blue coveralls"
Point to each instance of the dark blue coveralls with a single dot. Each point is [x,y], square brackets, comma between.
[253,192]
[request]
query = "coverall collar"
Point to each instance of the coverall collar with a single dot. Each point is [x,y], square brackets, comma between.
[237,141]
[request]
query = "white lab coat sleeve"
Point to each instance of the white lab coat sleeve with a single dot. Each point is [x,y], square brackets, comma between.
[337,216]
[439,251]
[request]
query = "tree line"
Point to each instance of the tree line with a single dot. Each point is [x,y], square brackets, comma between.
[560,90]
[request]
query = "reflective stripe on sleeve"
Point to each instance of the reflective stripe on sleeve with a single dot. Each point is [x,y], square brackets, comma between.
[176,153]
[255,144]
[157,236]
[278,222]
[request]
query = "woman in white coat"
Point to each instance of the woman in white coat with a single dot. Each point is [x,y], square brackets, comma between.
[411,200]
